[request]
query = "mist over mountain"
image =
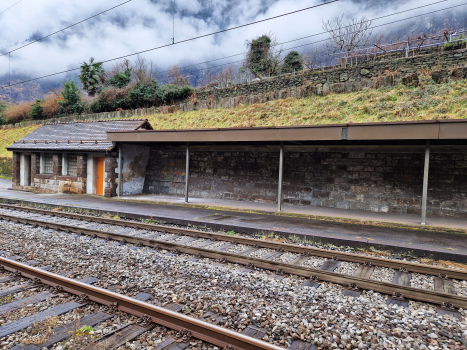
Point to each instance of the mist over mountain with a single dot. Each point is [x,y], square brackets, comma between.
[144,24]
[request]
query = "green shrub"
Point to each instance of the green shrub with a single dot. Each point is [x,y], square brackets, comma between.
[72,99]
[145,94]
[170,93]
[120,80]
[292,62]
[36,111]
[3,107]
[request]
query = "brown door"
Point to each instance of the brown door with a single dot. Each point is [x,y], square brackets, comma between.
[100,176]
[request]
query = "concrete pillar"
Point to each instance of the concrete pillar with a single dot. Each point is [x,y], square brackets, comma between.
[187,171]
[425,181]
[120,166]
[281,168]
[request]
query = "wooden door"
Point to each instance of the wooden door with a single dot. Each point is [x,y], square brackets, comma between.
[100,176]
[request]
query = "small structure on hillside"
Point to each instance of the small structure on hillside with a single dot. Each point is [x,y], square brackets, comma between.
[72,157]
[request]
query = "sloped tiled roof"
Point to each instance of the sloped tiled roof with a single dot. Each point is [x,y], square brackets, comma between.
[78,136]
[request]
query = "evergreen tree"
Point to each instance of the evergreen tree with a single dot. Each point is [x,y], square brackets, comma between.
[36,111]
[72,98]
[92,76]
[120,80]
[293,62]
[3,107]
[258,59]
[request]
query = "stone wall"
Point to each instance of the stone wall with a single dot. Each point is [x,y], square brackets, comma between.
[110,175]
[331,75]
[384,179]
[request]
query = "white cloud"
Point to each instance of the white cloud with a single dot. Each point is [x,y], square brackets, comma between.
[144,24]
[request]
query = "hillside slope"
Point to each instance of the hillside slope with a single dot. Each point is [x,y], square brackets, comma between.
[398,103]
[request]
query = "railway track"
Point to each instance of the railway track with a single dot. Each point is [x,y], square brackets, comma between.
[178,240]
[149,314]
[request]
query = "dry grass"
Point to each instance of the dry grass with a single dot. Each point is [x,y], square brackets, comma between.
[399,103]
[8,136]
[41,331]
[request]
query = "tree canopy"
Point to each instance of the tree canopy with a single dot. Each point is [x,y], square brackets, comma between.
[92,76]
[293,62]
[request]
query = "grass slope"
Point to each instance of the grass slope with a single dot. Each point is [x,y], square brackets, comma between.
[8,136]
[399,103]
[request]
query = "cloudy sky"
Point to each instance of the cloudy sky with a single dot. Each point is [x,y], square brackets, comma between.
[143,24]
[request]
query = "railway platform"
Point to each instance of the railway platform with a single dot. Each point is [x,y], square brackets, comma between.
[442,238]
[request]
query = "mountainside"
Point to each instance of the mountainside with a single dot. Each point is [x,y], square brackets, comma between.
[434,23]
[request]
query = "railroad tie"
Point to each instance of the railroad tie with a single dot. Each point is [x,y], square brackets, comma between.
[213,318]
[89,280]
[187,240]
[255,332]
[402,278]
[272,255]
[302,345]
[445,285]
[61,333]
[121,336]
[18,304]
[329,265]
[172,344]
[125,333]
[249,251]
[16,289]
[363,271]
[300,260]
[25,322]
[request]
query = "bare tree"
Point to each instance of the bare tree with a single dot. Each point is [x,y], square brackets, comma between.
[144,69]
[345,37]
[175,76]
[311,57]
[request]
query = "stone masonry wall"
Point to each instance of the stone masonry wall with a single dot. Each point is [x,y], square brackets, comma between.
[385,179]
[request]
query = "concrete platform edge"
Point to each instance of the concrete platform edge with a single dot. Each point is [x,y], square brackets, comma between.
[404,250]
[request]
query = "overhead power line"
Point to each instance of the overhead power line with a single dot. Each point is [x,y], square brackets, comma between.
[16,3]
[61,30]
[133,54]
[313,35]
[178,42]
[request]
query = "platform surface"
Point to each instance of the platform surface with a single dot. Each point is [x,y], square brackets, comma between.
[235,215]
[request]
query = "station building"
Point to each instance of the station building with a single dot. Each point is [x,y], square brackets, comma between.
[401,167]
[70,157]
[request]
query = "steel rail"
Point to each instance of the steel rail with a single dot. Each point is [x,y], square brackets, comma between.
[291,248]
[429,296]
[201,330]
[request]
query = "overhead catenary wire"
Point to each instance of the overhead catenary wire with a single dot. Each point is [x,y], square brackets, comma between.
[16,3]
[182,41]
[313,35]
[198,37]
[61,30]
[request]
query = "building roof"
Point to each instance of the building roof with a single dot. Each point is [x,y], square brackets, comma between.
[413,130]
[77,136]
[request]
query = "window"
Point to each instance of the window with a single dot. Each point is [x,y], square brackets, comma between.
[48,167]
[72,165]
